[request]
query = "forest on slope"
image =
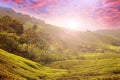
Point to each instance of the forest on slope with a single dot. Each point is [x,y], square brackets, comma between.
[61,48]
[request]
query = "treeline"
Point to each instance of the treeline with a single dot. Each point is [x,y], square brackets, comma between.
[26,43]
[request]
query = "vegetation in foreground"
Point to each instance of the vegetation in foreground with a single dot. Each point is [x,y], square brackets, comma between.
[14,67]
[95,66]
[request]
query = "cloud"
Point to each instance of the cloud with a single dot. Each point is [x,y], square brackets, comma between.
[37,5]
[104,12]
[108,12]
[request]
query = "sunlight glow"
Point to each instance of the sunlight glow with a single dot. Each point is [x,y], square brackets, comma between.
[72,24]
[80,24]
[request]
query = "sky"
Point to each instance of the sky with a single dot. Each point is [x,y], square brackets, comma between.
[72,14]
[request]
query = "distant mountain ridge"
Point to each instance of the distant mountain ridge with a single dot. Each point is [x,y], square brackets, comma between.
[21,17]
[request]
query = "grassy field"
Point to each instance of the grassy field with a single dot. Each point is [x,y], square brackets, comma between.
[88,66]
[13,67]
[95,66]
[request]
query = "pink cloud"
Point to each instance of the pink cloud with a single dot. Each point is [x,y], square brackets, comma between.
[109,13]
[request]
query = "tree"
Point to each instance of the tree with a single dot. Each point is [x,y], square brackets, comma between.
[4,24]
[9,42]
[35,27]
[17,26]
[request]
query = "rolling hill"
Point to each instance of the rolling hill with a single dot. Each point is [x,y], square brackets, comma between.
[14,67]
[46,52]
[68,39]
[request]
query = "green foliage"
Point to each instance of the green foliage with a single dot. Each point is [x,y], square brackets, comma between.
[24,43]
[10,25]
[84,55]
[17,27]
[14,67]
[96,66]
[49,46]
[9,42]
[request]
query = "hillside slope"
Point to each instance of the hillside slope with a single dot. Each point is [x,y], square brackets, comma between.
[68,54]
[13,67]
[114,32]
[95,66]
[64,39]
[80,41]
